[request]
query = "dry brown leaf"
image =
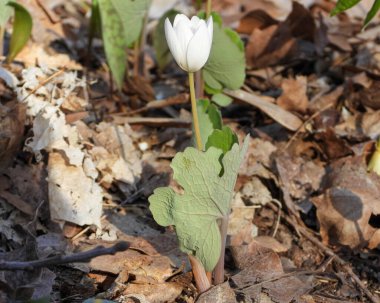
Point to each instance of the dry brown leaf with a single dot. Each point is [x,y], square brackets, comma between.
[12,119]
[221,293]
[360,126]
[329,99]
[17,202]
[294,96]
[261,264]
[146,269]
[255,19]
[300,177]
[271,243]
[153,293]
[333,146]
[284,42]
[351,199]
[262,51]
[280,115]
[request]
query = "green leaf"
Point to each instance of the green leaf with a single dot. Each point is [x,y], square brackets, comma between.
[221,99]
[22,28]
[160,45]
[132,14]
[225,67]
[372,12]
[222,139]
[5,12]
[343,5]
[209,117]
[114,40]
[95,22]
[207,197]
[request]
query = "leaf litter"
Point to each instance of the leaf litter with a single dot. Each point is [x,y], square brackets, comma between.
[310,105]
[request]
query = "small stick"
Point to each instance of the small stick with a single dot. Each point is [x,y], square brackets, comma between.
[76,257]
[47,80]
[277,224]
[316,114]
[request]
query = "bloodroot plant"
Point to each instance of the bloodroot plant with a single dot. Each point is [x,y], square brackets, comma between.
[207,173]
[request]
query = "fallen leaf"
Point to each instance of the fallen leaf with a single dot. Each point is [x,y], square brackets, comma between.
[287,41]
[300,177]
[360,126]
[221,293]
[12,119]
[261,264]
[154,293]
[333,146]
[73,196]
[255,19]
[351,199]
[278,114]
[294,96]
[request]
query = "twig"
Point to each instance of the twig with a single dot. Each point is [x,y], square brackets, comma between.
[84,230]
[302,127]
[47,80]
[277,224]
[76,257]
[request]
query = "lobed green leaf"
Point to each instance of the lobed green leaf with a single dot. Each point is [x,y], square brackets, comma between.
[206,198]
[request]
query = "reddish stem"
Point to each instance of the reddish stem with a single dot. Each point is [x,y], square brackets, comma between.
[199,273]
[219,268]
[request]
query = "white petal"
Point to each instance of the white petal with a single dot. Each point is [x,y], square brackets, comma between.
[173,43]
[184,35]
[195,23]
[180,18]
[198,49]
[210,27]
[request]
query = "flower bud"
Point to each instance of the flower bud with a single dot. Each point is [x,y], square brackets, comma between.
[189,41]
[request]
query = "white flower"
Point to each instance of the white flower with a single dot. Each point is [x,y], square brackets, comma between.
[189,41]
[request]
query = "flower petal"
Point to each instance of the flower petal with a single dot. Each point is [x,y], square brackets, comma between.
[195,23]
[210,27]
[180,18]
[184,35]
[199,48]
[173,43]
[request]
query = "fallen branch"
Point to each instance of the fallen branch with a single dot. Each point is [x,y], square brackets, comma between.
[76,257]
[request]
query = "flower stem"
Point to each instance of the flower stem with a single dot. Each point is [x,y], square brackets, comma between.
[208,8]
[2,30]
[219,268]
[194,111]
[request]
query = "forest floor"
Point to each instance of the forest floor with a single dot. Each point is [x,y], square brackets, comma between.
[305,217]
